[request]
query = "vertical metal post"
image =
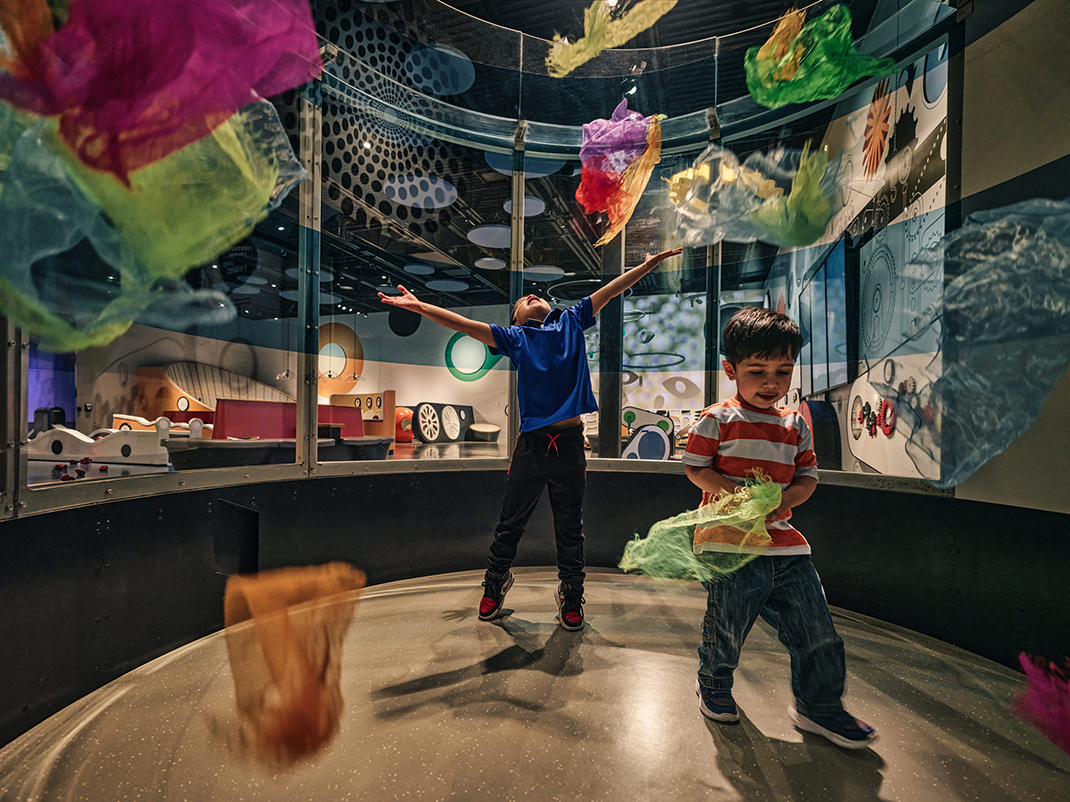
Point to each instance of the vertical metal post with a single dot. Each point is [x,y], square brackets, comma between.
[610,354]
[13,419]
[716,69]
[953,212]
[310,111]
[713,321]
[516,264]
[956,60]
[520,84]
[713,289]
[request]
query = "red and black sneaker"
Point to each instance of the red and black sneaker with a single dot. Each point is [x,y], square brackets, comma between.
[570,606]
[495,587]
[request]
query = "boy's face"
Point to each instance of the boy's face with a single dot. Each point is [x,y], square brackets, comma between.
[761,382]
[530,307]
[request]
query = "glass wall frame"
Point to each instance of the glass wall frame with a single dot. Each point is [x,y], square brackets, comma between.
[513,138]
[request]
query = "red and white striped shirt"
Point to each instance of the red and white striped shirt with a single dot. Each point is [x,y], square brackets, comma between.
[735,438]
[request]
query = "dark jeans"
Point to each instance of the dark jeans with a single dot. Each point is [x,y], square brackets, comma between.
[551,458]
[787,593]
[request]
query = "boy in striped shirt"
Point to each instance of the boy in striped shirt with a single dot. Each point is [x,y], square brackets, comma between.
[731,440]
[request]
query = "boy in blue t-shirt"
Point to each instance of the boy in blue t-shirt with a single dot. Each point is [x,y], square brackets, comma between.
[554,390]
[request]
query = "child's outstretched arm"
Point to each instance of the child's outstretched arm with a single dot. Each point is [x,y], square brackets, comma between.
[603,295]
[476,329]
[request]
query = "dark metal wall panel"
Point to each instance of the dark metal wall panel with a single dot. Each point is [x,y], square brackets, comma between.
[89,593]
[985,577]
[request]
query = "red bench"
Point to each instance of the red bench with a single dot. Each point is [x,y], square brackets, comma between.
[276,420]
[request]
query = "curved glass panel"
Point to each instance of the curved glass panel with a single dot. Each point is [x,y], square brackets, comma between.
[417,114]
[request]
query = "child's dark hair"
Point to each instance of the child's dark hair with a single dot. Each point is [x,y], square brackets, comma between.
[761,333]
[515,305]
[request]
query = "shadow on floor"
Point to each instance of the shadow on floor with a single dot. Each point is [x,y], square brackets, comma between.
[552,658]
[763,769]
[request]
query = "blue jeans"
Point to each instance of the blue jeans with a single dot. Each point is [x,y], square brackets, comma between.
[787,593]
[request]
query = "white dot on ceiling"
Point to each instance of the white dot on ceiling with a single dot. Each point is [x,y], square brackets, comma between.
[490,236]
[533,168]
[543,272]
[446,285]
[532,206]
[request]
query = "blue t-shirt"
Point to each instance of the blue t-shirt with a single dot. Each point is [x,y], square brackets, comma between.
[553,382]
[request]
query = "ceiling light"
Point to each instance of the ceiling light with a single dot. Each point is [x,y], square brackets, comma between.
[447,285]
[368,145]
[490,236]
[282,228]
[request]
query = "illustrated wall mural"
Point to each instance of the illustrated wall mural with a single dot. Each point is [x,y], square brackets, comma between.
[891,139]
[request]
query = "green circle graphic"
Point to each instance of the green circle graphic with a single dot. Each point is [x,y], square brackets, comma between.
[489,360]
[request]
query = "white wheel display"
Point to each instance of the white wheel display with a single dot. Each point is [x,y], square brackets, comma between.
[451,424]
[428,421]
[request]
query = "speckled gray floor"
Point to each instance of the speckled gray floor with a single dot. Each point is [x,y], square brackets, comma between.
[442,706]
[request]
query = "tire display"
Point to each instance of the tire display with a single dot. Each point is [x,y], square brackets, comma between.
[425,423]
[441,423]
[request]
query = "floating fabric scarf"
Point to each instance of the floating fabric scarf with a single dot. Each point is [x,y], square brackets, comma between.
[710,542]
[784,197]
[1003,324]
[618,156]
[143,166]
[603,29]
[285,630]
[1046,701]
[209,194]
[85,256]
[134,81]
[816,61]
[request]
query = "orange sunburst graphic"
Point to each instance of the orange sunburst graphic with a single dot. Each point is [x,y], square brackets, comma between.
[875,138]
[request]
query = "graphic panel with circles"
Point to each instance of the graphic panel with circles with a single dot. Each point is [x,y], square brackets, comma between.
[880,285]
[341,359]
[441,423]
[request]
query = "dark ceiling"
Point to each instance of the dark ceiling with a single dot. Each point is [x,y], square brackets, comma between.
[671,68]
[689,21]
[370,239]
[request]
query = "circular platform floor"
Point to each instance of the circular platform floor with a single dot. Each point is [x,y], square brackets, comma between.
[440,706]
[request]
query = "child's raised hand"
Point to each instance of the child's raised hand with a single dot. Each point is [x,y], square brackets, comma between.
[405,301]
[657,258]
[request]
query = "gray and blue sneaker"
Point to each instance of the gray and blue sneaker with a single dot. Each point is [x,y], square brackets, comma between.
[842,729]
[716,705]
